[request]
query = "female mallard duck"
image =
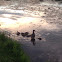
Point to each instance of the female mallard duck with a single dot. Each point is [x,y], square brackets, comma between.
[33,36]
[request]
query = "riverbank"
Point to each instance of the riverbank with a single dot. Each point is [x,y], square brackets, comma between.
[11,51]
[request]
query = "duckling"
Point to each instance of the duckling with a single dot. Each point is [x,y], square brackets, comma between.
[33,35]
[18,33]
[24,34]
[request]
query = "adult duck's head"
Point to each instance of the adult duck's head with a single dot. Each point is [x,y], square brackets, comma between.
[33,30]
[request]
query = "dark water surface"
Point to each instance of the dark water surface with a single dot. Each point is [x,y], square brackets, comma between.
[45,51]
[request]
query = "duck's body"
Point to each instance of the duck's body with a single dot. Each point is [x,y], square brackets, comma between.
[33,37]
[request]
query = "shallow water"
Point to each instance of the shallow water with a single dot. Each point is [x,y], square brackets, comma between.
[47,25]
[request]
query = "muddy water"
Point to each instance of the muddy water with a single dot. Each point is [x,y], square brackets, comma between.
[47,23]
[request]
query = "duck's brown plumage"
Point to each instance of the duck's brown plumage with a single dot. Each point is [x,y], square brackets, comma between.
[33,35]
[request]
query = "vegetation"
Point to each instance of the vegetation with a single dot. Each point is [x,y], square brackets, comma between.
[11,51]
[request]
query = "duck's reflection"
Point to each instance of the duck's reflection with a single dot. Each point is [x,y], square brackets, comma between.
[33,41]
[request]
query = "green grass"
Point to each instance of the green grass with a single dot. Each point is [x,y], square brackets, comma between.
[11,51]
